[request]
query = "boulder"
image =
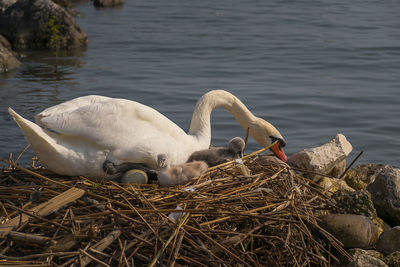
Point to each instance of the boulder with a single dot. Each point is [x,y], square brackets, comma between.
[393,259]
[63,3]
[41,24]
[339,169]
[385,193]
[322,159]
[333,185]
[354,231]
[389,241]
[4,42]
[107,3]
[363,175]
[7,59]
[360,203]
[364,260]
[4,4]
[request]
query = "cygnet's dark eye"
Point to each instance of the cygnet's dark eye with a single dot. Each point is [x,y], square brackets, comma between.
[281,141]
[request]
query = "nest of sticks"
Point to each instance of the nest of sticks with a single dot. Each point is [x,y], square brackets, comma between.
[262,215]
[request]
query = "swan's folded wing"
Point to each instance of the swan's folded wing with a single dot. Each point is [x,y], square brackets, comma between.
[70,105]
[111,123]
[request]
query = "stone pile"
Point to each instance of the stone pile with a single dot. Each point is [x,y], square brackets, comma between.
[367,196]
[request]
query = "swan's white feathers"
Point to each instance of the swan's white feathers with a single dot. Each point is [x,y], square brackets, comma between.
[77,136]
[106,122]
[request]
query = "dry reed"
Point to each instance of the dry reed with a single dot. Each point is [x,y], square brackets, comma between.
[230,216]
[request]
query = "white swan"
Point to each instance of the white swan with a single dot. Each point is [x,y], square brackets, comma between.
[77,136]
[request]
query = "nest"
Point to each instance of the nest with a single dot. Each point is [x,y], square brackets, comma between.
[262,215]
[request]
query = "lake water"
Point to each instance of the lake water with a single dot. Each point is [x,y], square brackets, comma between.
[312,68]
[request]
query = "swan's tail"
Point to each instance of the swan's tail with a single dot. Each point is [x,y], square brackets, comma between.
[36,136]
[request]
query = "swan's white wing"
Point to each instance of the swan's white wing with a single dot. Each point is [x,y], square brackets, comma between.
[111,123]
[69,106]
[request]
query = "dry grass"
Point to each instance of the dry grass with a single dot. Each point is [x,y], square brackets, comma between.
[226,217]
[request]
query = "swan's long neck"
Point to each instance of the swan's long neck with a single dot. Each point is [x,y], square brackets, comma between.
[201,126]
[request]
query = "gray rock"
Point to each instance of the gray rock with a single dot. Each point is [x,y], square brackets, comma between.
[360,203]
[385,193]
[63,3]
[107,3]
[333,185]
[364,260]
[7,59]
[4,42]
[354,231]
[322,159]
[4,4]
[389,241]
[27,24]
[363,257]
[339,169]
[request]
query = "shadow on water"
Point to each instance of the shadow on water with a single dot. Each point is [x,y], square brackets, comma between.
[45,66]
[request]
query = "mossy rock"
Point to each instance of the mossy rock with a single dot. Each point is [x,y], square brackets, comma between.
[357,202]
[360,203]
[334,185]
[363,175]
[393,259]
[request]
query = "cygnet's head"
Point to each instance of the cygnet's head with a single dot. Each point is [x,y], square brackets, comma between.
[162,161]
[236,145]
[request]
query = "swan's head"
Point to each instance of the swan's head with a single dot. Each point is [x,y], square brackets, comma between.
[236,145]
[266,134]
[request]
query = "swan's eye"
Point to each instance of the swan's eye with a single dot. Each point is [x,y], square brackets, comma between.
[281,141]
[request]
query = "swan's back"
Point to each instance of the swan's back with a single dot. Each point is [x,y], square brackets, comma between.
[114,124]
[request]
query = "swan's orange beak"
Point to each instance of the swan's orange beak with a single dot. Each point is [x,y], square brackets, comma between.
[278,151]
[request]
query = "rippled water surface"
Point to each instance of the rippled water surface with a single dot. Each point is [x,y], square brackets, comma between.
[312,68]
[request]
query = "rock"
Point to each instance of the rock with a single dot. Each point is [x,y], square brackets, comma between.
[389,241]
[355,252]
[359,203]
[334,185]
[105,3]
[41,24]
[357,258]
[356,202]
[363,260]
[385,193]
[63,3]
[7,60]
[393,259]
[363,175]
[4,4]
[134,177]
[322,159]
[339,169]
[4,42]
[354,231]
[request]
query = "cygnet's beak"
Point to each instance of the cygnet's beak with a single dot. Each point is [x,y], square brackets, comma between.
[240,153]
[278,151]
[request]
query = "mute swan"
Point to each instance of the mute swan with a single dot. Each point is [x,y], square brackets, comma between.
[76,137]
[217,155]
[179,174]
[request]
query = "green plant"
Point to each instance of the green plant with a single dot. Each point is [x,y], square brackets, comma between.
[55,30]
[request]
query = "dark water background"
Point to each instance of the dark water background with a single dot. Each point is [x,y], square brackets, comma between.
[312,68]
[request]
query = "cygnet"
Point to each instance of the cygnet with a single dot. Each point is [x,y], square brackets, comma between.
[218,155]
[178,174]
